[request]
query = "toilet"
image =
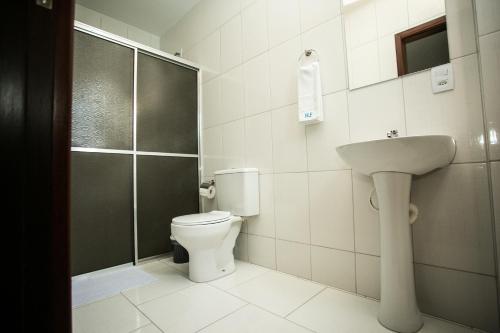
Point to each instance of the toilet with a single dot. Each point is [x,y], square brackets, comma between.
[210,237]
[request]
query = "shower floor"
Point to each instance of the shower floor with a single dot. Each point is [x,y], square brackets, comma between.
[253,299]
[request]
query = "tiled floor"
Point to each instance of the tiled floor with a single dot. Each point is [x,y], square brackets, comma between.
[253,299]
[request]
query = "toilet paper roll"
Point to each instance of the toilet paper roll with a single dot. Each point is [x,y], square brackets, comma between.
[207,190]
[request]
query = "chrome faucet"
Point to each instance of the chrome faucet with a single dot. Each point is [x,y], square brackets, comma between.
[393,133]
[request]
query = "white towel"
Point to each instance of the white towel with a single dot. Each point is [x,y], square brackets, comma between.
[309,92]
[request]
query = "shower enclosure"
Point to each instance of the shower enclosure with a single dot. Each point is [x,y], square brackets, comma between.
[135,149]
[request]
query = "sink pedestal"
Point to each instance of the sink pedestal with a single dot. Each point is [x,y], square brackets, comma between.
[398,304]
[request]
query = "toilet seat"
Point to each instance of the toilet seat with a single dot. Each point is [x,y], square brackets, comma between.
[212,217]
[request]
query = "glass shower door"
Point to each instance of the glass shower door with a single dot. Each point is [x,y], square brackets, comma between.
[134,152]
[167,150]
[101,157]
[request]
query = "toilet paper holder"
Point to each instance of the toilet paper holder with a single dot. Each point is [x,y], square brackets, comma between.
[207,189]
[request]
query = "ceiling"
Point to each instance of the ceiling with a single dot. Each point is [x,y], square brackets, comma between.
[154,16]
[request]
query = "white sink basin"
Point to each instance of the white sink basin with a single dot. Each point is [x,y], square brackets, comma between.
[412,154]
[391,163]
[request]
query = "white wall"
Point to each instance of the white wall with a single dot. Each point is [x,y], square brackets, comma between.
[315,219]
[109,24]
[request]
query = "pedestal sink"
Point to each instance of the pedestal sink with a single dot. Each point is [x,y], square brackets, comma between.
[391,163]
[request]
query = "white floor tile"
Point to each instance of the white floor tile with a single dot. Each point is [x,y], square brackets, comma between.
[243,273]
[277,292]
[337,311]
[148,329]
[169,281]
[251,319]
[180,267]
[191,309]
[112,315]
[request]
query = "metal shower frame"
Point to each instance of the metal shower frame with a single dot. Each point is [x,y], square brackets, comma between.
[137,47]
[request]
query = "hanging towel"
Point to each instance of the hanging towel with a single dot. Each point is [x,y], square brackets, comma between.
[309,92]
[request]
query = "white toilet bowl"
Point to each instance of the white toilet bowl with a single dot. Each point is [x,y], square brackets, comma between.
[209,239]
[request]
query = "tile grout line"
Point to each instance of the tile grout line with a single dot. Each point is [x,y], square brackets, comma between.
[307,301]
[268,311]
[223,317]
[144,314]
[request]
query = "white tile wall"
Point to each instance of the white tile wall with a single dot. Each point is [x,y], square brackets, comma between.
[207,54]
[289,141]
[241,247]
[454,227]
[283,73]
[257,86]
[232,95]
[87,16]
[212,103]
[457,112]
[262,251]
[488,16]
[490,63]
[368,275]
[327,39]
[231,45]
[263,224]
[314,12]
[284,20]
[213,151]
[294,258]
[258,138]
[291,206]
[458,296]
[460,27]
[316,221]
[114,26]
[331,216]
[366,220]
[255,30]
[233,142]
[333,267]
[324,137]
[109,24]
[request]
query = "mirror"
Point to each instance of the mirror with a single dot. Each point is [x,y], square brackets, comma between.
[390,38]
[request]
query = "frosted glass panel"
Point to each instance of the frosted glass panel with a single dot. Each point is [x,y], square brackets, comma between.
[166,187]
[102,93]
[166,107]
[101,211]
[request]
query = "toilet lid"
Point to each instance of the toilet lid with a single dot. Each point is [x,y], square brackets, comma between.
[214,216]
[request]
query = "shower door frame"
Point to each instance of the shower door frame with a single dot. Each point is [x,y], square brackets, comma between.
[147,50]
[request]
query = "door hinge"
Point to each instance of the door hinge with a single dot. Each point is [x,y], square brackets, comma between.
[44,3]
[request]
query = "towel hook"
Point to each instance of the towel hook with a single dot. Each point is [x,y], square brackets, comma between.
[308,53]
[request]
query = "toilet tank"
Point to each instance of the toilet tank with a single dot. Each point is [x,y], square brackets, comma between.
[237,191]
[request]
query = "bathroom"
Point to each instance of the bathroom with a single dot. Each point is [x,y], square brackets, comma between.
[344,152]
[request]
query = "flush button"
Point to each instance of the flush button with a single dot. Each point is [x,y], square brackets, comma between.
[442,78]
